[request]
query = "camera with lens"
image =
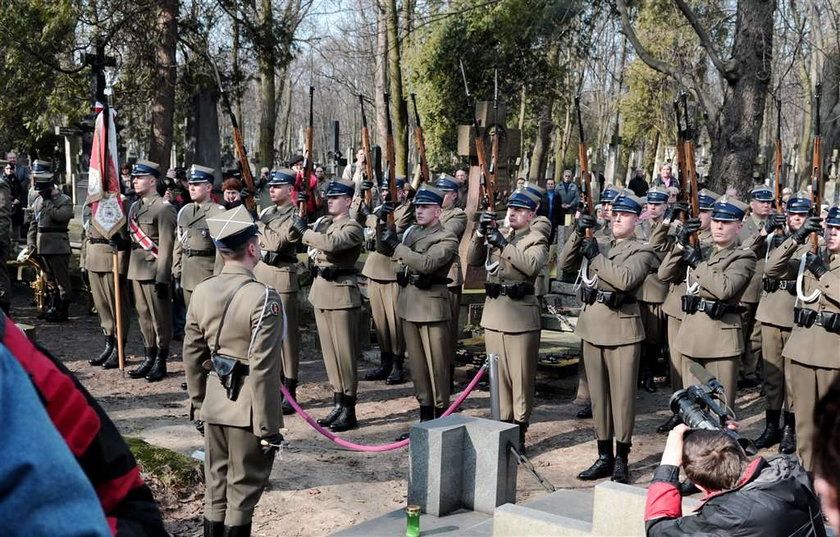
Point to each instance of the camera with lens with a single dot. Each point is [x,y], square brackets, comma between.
[700,407]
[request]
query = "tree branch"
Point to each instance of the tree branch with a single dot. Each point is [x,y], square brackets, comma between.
[724,68]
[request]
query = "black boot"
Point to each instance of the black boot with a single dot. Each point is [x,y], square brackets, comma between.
[337,399]
[427,413]
[523,427]
[788,443]
[58,312]
[158,370]
[621,472]
[397,375]
[386,359]
[585,413]
[346,420]
[603,467]
[113,360]
[146,366]
[291,387]
[214,529]
[110,345]
[47,306]
[672,421]
[772,433]
[238,531]
[647,380]
[649,354]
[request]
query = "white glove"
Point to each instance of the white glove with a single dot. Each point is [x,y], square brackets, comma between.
[23,255]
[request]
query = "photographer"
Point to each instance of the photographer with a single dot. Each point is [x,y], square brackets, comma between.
[743,497]
[827,453]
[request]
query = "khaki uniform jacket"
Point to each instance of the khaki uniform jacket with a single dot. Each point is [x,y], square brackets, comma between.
[193,234]
[776,308]
[156,218]
[454,220]
[253,334]
[100,257]
[653,289]
[52,214]
[520,261]
[338,246]
[750,237]
[724,276]
[428,251]
[672,306]
[541,224]
[816,346]
[274,224]
[622,266]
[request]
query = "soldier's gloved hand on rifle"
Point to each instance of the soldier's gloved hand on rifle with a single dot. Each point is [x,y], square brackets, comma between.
[774,221]
[777,240]
[387,243]
[271,443]
[299,227]
[586,221]
[199,426]
[179,291]
[485,222]
[589,248]
[816,264]
[366,185]
[162,289]
[364,210]
[495,238]
[302,196]
[811,225]
[692,255]
[678,209]
[244,193]
[384,210]
[689,228]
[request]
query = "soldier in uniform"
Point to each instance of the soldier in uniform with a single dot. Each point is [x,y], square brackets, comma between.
[607,196]
[811,350]
[334,248]
[50,213]
[454,220]
[511,315]
[611,328]
[710,334]
[541,224]
[381,273]
[278,268]
[97,261]
[151,224]
[761,205]
[425,255]
[775,313]
[236,324]
[194,258]
[672,307]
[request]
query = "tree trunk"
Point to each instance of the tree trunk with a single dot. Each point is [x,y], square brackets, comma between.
[562,146]
[266,64]
[237,75]
[734,136]
[399,110]
[380,79]
[163,96]
[539,158]
[203,131]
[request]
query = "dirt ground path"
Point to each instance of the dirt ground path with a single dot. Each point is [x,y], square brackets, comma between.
[316,487]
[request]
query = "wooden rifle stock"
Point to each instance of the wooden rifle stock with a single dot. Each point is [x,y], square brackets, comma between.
[242,156]
[420,139]
[390,154]
[816,168]
[690,167]
[585,182]
[488,181]
[367,172]
[307,155]
[494,146]
[681,155]
[779,164]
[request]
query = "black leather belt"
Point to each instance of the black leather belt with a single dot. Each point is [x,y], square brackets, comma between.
[198,253]
[771,285]
[611,299]
[715,309]
[421,281]
[829,321]
[276,259]
[514,291]
[331,273]
[52,229]
[122,245]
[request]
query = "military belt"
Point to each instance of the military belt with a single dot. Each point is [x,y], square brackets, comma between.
[611,299]
[514,291]
[771,285]
[198,253]
[421,281]
[52,229]
[276,259]
[715,309]
[829,321]
[121,244]
[331,273]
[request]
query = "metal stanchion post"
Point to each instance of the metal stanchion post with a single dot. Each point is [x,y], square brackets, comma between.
[493,360]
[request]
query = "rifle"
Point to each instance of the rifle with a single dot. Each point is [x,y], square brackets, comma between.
[494,147]
[307,155]
[816,168]
[245,167]
[779,159]
[488,181]
[690,168]
[421,142]
[367,172]
[680,154]
[390,155]
[585,184]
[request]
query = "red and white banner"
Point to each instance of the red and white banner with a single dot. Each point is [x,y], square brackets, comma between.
[103,194]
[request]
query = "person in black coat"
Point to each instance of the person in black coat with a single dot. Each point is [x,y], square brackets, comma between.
[638,184]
